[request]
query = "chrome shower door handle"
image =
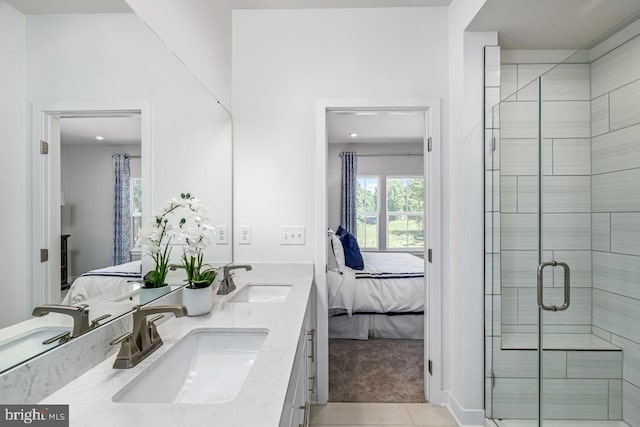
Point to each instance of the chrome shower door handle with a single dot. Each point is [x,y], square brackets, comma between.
[567,286]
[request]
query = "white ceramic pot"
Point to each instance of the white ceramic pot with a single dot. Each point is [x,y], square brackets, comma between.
[198,301]
[149,294]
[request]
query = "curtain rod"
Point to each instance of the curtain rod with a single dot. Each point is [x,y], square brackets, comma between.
[386,155]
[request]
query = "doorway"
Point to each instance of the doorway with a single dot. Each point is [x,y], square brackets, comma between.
[427,249]
[52,211]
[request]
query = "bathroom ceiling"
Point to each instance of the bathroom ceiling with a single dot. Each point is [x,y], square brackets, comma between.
[375,126]
[44,7]
[551,24]
[118,130]
[325,4]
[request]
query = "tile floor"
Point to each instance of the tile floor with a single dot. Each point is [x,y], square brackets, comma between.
[337,414]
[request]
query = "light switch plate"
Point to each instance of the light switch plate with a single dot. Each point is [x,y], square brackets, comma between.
[244,234]
[292,235]
[222,234]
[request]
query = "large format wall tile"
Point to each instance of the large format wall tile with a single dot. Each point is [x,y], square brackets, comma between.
[567,82]
[527,80]
[630,406]
[528,195]
[616,68]
[566,231]
[615,399]
[580,267]
[600,115]
[578,313]
[519,231]
[509,306]
[492,66]
[524,363]
[518,156]
[617,150]
[617,273]
[519,120]
[492,159]
[578,399]
[594,364]
[519,269]
[616,191]
[631,360]
[601,232]
[617,314]
[492,274]
[625,106]
[570,194]
[491,107]
[572,157]
[566,119]
[508,194]
[625,233]
[508,82]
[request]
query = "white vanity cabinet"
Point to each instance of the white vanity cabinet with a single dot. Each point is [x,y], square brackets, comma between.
[302,383]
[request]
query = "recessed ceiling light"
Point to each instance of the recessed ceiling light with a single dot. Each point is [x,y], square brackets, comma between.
[99,138]
[353,135]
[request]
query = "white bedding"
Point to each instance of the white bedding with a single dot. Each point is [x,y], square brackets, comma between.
[104,283]
[389,283]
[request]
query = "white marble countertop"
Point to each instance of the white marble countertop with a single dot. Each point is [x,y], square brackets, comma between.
[259,402]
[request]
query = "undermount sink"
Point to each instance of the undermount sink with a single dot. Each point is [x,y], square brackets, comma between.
[262,293]
[27,345]
[205,366]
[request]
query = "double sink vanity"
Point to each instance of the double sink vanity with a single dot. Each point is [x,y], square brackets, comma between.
[250,362]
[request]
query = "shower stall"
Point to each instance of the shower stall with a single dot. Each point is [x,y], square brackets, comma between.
[562,234]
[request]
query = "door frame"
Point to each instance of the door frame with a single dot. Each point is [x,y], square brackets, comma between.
[433,237]
[45,186]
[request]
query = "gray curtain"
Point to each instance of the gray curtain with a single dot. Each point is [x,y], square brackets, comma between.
[121,242]
[349,183]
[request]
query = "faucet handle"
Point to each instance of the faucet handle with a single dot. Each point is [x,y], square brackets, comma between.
[120,339]
[82,307]
[155,319]
[96,322]
[61,338]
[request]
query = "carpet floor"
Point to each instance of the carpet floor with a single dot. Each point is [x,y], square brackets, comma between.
[376,370]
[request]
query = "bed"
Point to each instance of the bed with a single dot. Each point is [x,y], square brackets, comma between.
[105,283]
[385,300]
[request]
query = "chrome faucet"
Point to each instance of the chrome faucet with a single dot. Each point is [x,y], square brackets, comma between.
[79,313]
[226,284]
[144,339]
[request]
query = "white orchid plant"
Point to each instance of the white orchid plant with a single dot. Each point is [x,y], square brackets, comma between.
[193,228]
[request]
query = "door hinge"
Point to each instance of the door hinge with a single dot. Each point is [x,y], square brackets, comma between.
[430,367]
[44,147]
[44,255]
[429,144]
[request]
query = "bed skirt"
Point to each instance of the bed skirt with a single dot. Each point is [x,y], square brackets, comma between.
[364,326]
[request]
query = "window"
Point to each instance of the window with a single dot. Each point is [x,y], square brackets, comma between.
[367,212]
[135,191]
[405,217]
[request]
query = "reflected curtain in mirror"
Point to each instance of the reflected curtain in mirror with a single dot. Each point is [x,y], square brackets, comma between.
[121,243]
[349,183]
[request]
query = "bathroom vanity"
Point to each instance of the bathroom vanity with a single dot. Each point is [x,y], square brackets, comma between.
[250,362]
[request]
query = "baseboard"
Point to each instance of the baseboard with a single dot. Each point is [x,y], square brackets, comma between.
[465,417]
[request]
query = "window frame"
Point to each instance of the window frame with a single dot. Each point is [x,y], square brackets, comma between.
[376,213]
[405,213]
[132,215]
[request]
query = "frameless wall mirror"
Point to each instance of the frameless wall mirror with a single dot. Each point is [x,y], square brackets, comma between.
[109,99]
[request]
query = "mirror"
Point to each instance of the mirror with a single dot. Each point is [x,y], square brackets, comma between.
[69,76]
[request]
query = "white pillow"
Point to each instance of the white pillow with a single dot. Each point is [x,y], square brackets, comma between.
[337,250]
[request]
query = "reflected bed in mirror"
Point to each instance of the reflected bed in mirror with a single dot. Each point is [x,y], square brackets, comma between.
[80,69]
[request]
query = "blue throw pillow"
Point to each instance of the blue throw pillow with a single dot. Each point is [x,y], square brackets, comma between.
[340,231]
[352,255]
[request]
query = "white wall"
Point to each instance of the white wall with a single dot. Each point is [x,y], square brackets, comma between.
[283,61]
[114,58]
[463,236]
[87,178]
[199,33]
[381,166]
[12,164]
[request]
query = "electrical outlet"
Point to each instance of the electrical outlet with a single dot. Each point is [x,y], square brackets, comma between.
[222,235]
[244,234]
[292,235]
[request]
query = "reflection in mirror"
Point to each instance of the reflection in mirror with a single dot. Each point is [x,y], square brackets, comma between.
[69,77]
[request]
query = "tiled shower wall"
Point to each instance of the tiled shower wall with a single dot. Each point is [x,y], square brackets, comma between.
[615,154]
[566,191]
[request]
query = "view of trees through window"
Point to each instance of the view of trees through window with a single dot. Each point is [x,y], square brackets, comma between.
[135,189]
[367,212]
[404,212]
[405,218]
